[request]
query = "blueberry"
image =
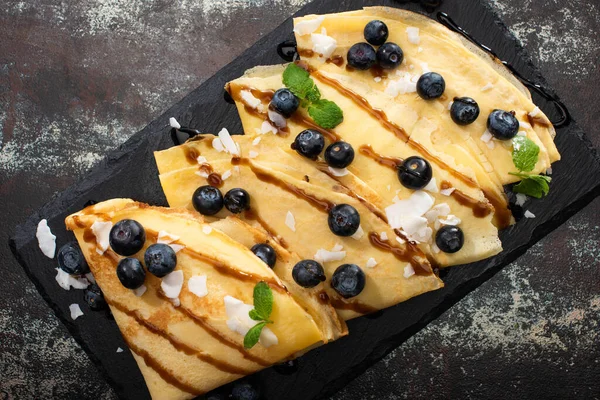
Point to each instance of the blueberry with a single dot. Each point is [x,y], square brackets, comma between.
[348,280]
[339,154]
[449,239]
[244,391]
[237,200]
[361,56]
[131,273]
[71,259]
[502,124]
[431,85]
[287,367]
[343,220]
[376,32]
[207,200]
[160,259]
[308,273]
[127,237]
[309,143]
[415,173]
[464,110]
[94,298]
[389,55]
[284,102]
[265,253]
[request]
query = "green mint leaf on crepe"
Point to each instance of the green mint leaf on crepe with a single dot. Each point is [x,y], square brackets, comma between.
[300,83]
[253,335]
[253,314]
[532,185]
[263,301]
[525,153]
[326,113]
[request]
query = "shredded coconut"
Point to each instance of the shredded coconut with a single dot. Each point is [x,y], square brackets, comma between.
[290,221]
[174,124]
[75,311]
[371,263]
[528,214]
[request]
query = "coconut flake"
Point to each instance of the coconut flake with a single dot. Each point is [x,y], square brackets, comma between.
[525,125]
[371,263]
[176,247]
[323,45]
[486,137]
[491,145]
[290,221]
[166,238]
[119,350]
[425,67]
[67,281]
[277,119]
[140,291]
[413,35]
[102,232]
[383,236]
[308,26]
[536,111]
[240,322]
[218,145]
[227,173]
[46,240]
[256,141]
[409,271]
[323,256]
[435,248]
[266,127]
[447,192]
[450,105]
[172,283]
[440,210]
[358,234]
[549,171]
[228,143]
[377,79]
[432,186]
[450,220]
[521,199]
[75,311]
[207,229]
[488,86]
[251,101]
[338,171]
[197,285]
[420,49]
[404,85]
[174,124]
[252,154]
[201,160]
[520,133]
[416,205]
[528,214]
[400,240]
[201,173]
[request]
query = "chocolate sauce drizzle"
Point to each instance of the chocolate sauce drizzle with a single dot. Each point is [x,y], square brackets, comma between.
[565,117]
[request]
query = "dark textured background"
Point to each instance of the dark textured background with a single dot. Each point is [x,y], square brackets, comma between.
[77,79]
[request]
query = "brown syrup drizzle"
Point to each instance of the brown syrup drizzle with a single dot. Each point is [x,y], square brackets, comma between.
[354,306]
[253,215]
[336,60]
[391,162]
[214,179]
[191,154]
[406,255]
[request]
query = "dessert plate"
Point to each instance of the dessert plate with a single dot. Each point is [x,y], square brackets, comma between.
[130,171]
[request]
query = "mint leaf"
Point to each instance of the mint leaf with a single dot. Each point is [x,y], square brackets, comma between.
[300,83]
[532,185]
[253,335]
[525,153]
[263,301]
[326,113]
[253,314]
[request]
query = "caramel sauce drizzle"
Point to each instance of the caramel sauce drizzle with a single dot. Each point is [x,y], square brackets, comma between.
[391,162]
[253,215]
[406,255]
[336,60]
[354,306]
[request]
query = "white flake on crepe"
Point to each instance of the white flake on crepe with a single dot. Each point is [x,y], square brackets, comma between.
[432,186]
[308,26]
[420,49]
[440,210]
[201,173]
[102,232]
[435,248]
[491,144]
[536,111]
[236,169]
[75,311]
[175,302]
[395,199]
[521,199]
[323,31]
[409,271]
[337,247]
[256,141]
[405,84]
[336,254]
[227,173]
[358,234]
[389,187]
[140,291]
[486,137]
[377,79]
[450,105]
[413,35]
[172,283]
[447,192]
[252,154]
[176,247]
[371,263]
[522,133]
[338,171]
[240,322]
[207,229]
[46,240]
[323,45]
[201,160]
[166,237]
[450,220]
[119,350]
[90,277]
[411,66]
[174,124]
[218,145]
[228,143]
[408,216]
[290,221]
[266,127]
[400,240]
[197,285]
[251,101]
[529,214]
[277,119]
[67,281]
[525,125]
[549,171]
[383,236]
[488,86]
[425,67]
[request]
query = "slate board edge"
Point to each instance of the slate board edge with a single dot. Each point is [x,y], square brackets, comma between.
[120,155]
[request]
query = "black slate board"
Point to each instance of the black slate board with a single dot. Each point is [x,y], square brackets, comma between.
[130,171]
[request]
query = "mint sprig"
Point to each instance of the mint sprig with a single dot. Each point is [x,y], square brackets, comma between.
[263,306]
[532,185]
[525,156]
[325,113]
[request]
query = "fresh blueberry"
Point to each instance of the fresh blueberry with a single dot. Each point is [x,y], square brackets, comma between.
[71,259]
[389,55]
[343,220]
[361,56]
[449,238]
[464,110]
[415,173]
[339,154]
[348,280]
[207,200]
[131,273]
[265,253]
[502,124]
[376,32]
[309,143]
[127,237]
[287,367]
[237,200]
[94,298]
[244,391]
[284,102]
[431,85]
[160,259]
[308,273]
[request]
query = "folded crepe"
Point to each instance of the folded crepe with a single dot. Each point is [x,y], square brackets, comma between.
[185,345]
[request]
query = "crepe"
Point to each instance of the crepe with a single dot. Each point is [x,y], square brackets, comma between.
[184,346]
